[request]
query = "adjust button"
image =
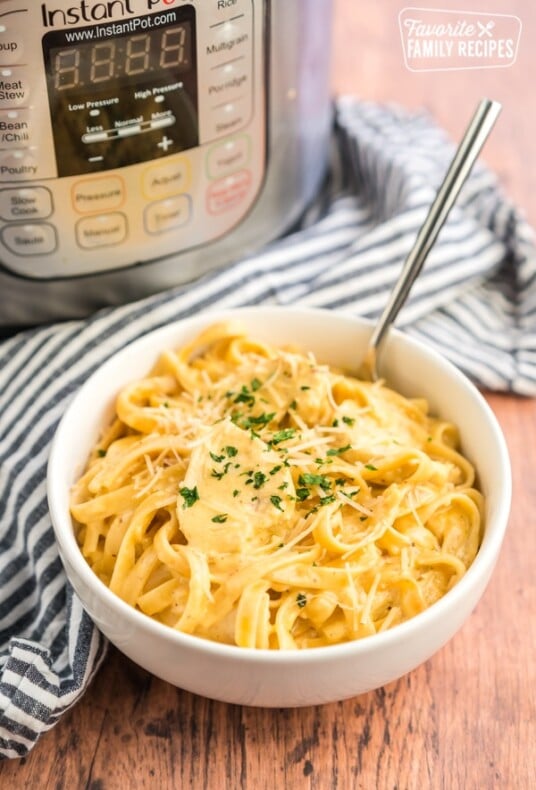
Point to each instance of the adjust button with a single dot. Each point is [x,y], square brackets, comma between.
[168,214]
[106,230]
[25,204]
[161,181]
[28,240]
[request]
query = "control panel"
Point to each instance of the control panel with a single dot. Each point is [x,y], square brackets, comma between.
[129,130]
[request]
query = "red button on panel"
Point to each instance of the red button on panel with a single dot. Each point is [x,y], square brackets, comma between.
[225,194]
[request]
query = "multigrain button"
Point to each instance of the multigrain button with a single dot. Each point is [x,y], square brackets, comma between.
[168,214]
[106,230]
[14,87]
[27,240]
[25,204]
[98,194]
[161,181]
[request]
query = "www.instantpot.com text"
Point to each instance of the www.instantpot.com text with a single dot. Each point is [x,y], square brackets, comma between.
[87,11]
[120,28]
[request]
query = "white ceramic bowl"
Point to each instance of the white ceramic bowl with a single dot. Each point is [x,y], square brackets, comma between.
[285,678]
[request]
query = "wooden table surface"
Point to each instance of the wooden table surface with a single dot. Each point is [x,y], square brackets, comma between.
[466,718]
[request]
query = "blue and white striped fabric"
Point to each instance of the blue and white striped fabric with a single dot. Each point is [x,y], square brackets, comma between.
[475,301]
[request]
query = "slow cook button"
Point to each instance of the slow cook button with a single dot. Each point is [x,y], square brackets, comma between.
[27,240]
[168,214]
[14,87]
[106,230]
[226,158]
[24,204]
[161,181]
[98,194]
[229,192]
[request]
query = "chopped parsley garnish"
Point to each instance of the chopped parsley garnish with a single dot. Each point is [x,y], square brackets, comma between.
[335,423]
[245,396]
[293,405]
[275,469]
[166,404]
[190,496]
[236,492]
[339,450]
[259,479]
[276,501]
[216,474]
[101,453]
[282,436]
[282,486]
[348,420]
[216,458]
[231,451]
[261,419]
[302,493]
[371,467]
[307,479]
[304,387]
[327,500]
[301,600]
[221,518]
[256,384]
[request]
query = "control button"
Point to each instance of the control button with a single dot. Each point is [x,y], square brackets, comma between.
[168,214]
[11,47]
[105,230]
[162,181]
[14,87]
[98,194]
[27,240]
[18,166]
[228,80]
[162,123]
[15,128]
[227,193]
[24,204]
[226,158]
[228,117]
[127,131]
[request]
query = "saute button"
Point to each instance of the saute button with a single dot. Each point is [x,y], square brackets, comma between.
[28,240]
[98,194]
[25,204]
[228,157]
[229,192]
[106,230]
[168,214]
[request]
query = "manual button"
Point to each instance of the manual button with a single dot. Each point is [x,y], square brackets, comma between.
[106,230]
[28,240]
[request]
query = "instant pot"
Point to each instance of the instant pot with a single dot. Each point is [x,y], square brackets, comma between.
[144,142]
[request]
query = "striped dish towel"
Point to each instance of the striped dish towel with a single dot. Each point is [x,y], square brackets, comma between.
[475,301]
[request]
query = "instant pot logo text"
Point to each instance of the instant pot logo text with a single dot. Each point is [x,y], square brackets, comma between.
[86,11]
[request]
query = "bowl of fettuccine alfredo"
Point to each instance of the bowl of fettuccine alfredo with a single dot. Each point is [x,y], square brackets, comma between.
[245,517]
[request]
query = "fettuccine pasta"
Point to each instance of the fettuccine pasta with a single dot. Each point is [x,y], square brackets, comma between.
[250,495]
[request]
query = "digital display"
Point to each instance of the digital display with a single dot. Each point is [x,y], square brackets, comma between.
[119,97]
[144,54]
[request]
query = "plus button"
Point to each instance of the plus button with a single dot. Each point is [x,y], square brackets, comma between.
[164,143]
